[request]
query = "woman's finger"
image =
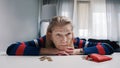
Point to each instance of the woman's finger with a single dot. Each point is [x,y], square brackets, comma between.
[63,53]
[69,50]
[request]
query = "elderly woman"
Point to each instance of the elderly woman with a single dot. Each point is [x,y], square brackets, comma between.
[59,40]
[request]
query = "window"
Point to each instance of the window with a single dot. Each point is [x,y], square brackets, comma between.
[91,19]
[83,18]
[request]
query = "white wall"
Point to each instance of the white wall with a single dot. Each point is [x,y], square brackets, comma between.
[18,21]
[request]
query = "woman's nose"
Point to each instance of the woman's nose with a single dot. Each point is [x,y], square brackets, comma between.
[64,39]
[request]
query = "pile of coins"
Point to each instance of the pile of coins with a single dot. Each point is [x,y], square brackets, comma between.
[45,57]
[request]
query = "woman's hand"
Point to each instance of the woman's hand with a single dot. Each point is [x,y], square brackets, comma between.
[72,51]
[67,51]
[55,51]
[52,51]
[63,53]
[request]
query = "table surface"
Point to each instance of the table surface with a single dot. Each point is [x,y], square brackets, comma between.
[74,61]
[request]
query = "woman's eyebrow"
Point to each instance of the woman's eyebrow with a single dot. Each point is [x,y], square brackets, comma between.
[62,32]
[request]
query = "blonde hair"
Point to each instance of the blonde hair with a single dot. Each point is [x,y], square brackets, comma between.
[56,21]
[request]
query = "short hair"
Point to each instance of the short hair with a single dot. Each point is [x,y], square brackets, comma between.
[58,21]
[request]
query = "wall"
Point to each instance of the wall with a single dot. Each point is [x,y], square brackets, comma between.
[18,21]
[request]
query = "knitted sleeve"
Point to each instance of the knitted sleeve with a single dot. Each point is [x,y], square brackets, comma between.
[26,48]
[93,47]
[99,48]
[79,43]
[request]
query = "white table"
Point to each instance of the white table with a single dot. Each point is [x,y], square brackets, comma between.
[75,61]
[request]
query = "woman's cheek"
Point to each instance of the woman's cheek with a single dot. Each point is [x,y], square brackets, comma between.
[69,39]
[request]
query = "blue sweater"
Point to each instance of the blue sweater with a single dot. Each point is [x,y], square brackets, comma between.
[33,47]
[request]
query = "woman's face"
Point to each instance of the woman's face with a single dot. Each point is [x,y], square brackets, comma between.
[62,36]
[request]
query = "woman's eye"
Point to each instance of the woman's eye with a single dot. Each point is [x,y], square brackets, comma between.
[58,35]
[68,33]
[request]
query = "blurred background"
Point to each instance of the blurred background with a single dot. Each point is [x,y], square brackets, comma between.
[24,20]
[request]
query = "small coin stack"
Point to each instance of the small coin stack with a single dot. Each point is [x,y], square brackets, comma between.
[45,57]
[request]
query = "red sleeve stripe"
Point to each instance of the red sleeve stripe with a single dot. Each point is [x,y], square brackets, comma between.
[80,43]
[20,49]
[41,40]
[100,49]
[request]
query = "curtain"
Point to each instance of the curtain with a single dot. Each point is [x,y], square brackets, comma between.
[65,8]
[113,19]
[104,20]
[95,26]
